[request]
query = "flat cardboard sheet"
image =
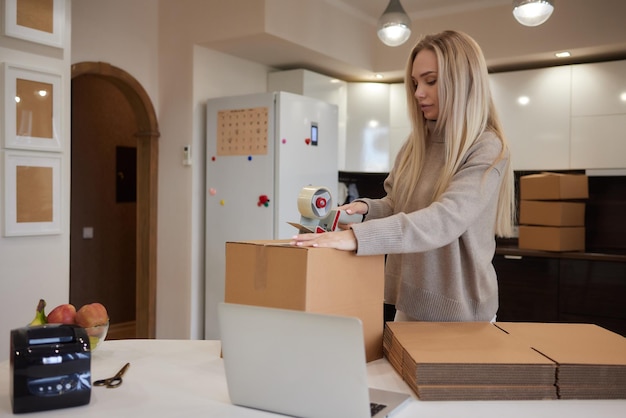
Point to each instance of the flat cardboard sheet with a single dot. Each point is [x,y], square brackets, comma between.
[501,361]
[591,360]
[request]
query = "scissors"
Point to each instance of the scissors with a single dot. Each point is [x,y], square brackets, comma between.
[115,381]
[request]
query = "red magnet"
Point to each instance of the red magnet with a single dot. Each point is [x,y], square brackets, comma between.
[263,201]
[308,141]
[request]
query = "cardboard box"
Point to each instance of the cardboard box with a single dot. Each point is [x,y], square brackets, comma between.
[507,360]
[551,213]
[552,238]
[322,280]
[554,186]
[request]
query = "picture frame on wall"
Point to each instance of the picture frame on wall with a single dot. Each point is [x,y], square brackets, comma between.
[32,109]
[39,21]
[32,193]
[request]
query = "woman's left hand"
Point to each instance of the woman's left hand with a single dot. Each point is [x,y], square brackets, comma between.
[340,240]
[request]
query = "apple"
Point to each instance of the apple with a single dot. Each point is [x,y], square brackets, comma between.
[92,315]
[62,314]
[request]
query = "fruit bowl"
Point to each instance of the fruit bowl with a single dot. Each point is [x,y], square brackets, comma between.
[97,334]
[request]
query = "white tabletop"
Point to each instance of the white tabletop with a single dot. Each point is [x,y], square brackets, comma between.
[182,378]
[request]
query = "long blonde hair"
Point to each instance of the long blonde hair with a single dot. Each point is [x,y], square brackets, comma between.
[466,110]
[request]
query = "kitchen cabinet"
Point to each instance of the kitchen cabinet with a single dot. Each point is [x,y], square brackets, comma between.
[599,115]
[399,122]
[598,142]
[534,108]
[528,288]
[566,117]
[561,287]
[599,89]
[367,141]
[593,291]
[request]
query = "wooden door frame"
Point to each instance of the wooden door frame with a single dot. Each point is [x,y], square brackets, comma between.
[147,168]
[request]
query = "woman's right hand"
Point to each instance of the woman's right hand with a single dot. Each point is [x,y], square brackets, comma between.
[356,207]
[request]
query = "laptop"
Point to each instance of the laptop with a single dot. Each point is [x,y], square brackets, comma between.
[299,363]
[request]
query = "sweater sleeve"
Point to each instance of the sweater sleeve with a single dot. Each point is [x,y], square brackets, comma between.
[472,188]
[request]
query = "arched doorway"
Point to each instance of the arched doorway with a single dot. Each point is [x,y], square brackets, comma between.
[146,134]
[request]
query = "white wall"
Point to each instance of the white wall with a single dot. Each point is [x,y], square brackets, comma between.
[154,42]
[36,267]
[121,33]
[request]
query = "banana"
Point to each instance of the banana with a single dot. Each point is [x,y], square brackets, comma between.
[40,316]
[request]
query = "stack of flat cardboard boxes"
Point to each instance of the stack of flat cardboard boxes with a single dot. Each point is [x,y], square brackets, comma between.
[552,213]
[507,361]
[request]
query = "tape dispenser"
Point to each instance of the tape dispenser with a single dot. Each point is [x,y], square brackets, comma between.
[317,214]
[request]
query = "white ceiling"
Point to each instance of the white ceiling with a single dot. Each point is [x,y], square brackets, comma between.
[418,9]
[591,30]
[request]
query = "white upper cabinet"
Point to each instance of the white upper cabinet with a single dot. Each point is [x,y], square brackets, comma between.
[367,144]
[534,108]
[400,125]
[598,139]
[599,89]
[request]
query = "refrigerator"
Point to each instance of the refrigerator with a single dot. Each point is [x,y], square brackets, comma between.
[261,150]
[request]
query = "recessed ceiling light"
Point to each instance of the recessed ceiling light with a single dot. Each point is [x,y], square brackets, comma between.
[378,76]
[563,54]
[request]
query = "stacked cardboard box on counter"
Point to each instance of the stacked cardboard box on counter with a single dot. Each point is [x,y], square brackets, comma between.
[591,360]
[466,361]
[507,361]
[551,213]
[323,280]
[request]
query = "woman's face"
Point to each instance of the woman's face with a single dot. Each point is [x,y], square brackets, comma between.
[425,77]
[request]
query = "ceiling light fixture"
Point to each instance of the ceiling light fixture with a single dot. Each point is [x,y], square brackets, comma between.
[394,26]
[564,54]
[532,12]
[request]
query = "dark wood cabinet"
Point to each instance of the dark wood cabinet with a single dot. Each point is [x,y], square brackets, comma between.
[561,288]
[594,292]
[528,288]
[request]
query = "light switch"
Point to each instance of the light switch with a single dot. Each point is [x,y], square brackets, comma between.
[187,155]
[87,232]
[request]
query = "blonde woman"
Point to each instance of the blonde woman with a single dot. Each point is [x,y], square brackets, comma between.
[448,196]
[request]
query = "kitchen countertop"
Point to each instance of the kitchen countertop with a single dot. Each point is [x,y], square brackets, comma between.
[510,247]
[180,378]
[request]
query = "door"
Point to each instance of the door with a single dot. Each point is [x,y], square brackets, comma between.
[113,198]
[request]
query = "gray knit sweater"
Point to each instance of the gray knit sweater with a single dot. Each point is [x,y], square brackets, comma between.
[439,263]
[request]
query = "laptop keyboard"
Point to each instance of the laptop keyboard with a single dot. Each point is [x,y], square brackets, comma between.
[376,408]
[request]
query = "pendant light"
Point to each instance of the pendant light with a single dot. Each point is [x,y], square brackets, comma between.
[394,26]
[532,12]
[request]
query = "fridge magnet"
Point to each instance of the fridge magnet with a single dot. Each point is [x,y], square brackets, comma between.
[40,21]
[32,109]
[242,131]
[32,193]
[263,201]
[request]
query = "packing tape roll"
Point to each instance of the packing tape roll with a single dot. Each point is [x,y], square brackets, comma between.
[314,202]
